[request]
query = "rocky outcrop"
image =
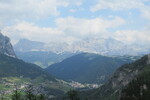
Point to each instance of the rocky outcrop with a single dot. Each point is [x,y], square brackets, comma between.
[6,47]
[139,87]
[125,74]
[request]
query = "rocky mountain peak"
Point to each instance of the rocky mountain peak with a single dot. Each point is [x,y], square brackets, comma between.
[5,46]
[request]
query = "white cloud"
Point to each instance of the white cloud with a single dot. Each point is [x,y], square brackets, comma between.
[67,29]
[14,10]
[83,27]
[79,3]
[146,12]
[133,36]
[72,10]
[31,31]
[116,5]
[30,8]
[74,2]
[71,29]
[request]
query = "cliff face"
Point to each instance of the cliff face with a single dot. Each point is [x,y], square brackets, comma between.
[138,88]
[127,72]
[124,75]
[6,47]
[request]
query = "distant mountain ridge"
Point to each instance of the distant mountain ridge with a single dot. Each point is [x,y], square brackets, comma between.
[87,68]
[103,46]
[26,45]
[6,47]
[42,58]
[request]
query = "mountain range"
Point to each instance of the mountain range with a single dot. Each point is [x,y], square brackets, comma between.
[103,46]
[128,82]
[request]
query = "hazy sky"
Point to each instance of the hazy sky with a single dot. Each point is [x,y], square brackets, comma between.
[71,20]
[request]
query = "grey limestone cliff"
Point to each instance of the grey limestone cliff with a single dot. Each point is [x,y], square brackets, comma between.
[6,47]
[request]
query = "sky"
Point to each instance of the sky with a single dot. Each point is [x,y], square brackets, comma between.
[72,20]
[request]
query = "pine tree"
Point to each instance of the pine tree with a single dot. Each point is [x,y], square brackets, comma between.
[16,95]
[73,95]
[29,93]
[2,93]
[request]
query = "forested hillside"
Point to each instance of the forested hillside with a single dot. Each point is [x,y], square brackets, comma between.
[87,67]
[129,82]
[138,88]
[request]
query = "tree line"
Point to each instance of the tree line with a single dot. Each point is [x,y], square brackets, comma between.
[29,94]
[25,94]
